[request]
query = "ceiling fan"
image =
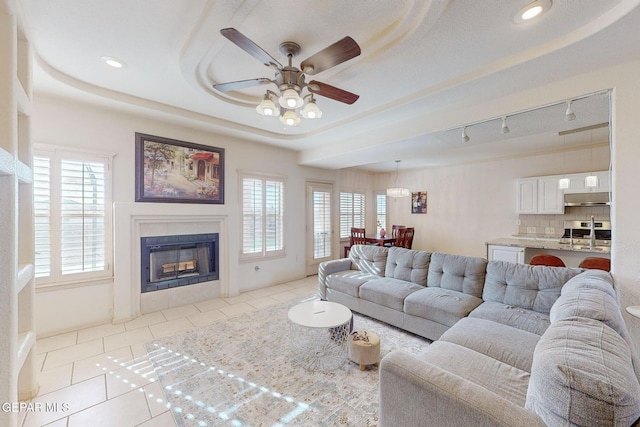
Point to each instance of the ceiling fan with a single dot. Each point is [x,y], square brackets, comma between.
[290,80]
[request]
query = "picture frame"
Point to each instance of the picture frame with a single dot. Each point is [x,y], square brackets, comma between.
[419,202]
[172,171]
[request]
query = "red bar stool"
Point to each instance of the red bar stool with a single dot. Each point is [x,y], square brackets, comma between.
[596,263]
[546,259]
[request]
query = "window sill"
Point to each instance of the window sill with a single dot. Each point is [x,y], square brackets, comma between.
[73,284]
[247,258]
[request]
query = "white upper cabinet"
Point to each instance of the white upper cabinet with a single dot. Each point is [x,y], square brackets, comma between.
[577,184]
[550,196]
[527,196]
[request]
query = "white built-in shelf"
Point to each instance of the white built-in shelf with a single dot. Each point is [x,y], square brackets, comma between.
[24,173]
[25,274]
[26,341]
[634,310]
[7,163]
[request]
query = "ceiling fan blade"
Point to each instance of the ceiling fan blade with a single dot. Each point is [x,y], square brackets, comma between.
[339,52]
[246,44]
[241,84]
[332,92]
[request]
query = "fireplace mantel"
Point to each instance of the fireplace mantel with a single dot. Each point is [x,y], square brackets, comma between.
[135,220]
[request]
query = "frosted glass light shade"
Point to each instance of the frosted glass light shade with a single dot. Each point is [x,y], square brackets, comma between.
[563,183]
[397,192]
[290,118]
[290,99]
[591,181]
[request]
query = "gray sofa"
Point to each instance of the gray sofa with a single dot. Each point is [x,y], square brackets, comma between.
[516,345]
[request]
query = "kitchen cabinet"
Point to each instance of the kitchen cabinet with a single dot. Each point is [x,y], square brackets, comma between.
[539,195]
[513,254]
[576,183]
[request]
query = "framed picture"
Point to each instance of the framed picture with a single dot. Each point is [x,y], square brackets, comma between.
[170,171]
[419,202]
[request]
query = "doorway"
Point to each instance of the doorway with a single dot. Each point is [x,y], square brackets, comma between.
[319,220]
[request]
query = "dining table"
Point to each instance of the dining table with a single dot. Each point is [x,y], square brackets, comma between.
[380,240]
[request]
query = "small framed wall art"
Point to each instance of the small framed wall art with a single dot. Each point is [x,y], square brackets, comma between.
[419,202]
[171,171]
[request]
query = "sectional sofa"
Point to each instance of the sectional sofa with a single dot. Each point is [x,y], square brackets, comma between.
[513,345]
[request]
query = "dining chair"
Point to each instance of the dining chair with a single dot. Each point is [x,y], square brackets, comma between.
[357,237]
[596,263]
[406,237]
[395,229]
[546,259]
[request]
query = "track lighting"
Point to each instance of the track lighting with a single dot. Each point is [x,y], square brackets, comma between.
[505,128]
[465,137]
[569,114]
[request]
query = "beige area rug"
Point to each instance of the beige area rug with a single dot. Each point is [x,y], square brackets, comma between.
[240,372]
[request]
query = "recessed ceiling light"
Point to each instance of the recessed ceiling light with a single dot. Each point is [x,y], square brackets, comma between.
[112,62]
[532,10]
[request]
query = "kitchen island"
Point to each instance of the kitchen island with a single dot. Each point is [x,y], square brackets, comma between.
[522,249]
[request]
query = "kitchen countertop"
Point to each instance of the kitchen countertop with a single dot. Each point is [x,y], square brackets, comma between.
[546,243]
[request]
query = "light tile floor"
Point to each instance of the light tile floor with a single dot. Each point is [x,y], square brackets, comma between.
[101,376]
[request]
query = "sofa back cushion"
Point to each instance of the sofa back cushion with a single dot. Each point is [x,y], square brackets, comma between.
[457,273]
[521,285]
[409,265]
[369,258]
[582,375]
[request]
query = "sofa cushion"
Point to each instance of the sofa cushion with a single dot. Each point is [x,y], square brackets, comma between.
[388,292]
[592,279]
[457,273]
[582,375]
[407,264]
[500,378]
[509,345]
[369,258]
[440,305]
[517,317]
[348,282]
[526,286]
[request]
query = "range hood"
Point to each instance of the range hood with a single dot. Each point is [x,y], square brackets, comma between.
[587,199]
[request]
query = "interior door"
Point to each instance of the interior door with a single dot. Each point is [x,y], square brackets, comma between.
[319,225]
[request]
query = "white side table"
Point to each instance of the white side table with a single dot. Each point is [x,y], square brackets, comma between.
[319,331]
[634,310]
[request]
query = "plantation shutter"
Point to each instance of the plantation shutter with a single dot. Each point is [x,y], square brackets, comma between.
[42,215]
[82,215]
[351,212]
[381,212]
[71,216]
[321,224]
[263,216]
[252,216]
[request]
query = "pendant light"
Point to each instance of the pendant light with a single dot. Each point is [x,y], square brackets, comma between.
[396,191]
[505,128]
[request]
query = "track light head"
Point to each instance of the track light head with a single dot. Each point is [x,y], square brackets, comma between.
[465,137]
[569,114]
[505,128]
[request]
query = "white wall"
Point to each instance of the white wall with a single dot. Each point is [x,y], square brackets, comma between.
[59,121]
[468,205]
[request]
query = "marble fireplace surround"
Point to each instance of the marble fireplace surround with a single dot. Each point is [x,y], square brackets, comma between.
[135,220]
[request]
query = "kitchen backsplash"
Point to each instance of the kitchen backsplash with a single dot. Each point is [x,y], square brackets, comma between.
[553,225]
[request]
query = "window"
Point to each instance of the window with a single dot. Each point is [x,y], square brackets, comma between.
[351,213]
[381,212]
[262,216]
[72,216]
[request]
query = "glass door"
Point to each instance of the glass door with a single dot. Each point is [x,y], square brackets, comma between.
[319,225]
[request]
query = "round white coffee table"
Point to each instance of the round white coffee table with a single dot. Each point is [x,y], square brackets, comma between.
[319,332]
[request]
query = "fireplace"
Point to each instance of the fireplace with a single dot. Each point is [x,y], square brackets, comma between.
[173,261]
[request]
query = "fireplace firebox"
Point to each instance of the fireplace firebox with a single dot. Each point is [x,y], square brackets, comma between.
[172,261]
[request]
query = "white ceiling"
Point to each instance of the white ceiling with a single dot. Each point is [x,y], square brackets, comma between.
[418,58]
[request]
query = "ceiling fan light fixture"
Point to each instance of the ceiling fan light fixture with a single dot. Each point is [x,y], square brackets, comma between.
[569,114]
[267,107]
[290,118]
[290,99]
[311,110]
